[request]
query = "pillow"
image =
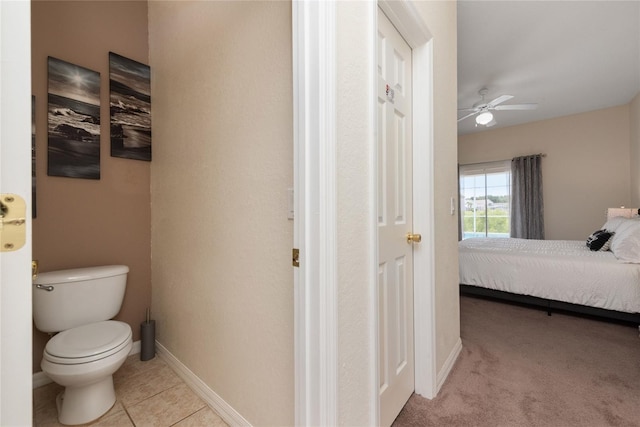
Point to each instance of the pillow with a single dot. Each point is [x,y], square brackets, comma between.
[600,240]
[625,244]
[612,224]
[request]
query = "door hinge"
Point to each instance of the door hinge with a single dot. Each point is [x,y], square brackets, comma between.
[295,258]
[13,229]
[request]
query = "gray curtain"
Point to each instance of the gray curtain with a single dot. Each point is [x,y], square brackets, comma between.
[527,208]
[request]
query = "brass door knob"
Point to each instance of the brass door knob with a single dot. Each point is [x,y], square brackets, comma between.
[414,238]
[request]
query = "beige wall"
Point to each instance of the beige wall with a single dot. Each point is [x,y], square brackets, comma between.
[634,118]
[441,18]
[586,169]
[354,144]
[84,222]
[223,160]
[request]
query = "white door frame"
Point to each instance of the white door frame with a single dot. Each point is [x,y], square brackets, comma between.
[15,177]
[315,281]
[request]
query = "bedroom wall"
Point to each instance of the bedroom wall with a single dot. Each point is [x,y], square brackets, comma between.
[441,19]
[85,222]
[223,160]
[586,170]
[634,118]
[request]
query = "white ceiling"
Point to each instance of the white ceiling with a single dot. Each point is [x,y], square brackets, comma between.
[567,56]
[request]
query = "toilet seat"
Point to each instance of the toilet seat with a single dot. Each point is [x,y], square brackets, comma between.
[88,343]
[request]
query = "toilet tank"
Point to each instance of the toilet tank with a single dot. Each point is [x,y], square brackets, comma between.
[77,296]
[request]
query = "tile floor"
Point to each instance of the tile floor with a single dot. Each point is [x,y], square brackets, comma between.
[148,394]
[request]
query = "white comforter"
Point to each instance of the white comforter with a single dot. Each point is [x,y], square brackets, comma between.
[562,270]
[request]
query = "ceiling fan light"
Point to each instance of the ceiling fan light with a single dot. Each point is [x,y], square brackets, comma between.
[484,118]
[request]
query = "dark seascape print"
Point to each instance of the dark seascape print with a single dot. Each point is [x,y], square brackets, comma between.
[130,107]
[73,121]
[33,157]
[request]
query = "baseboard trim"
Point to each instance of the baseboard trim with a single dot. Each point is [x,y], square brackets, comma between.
[40,378]
[135,348]
[448,365]
[226,411]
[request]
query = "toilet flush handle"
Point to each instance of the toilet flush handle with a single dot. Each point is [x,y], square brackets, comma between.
[34,274]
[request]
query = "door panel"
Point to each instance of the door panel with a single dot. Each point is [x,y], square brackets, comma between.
[15,178]
[395,255]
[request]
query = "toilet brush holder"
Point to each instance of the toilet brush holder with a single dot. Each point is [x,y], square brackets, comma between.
[147,338]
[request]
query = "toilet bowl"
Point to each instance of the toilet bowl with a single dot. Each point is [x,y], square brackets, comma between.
[88,348]
[83,360]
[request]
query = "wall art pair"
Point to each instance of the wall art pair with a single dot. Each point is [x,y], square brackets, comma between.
[74,115]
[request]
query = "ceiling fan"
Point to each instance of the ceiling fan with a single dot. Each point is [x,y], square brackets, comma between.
[482,109]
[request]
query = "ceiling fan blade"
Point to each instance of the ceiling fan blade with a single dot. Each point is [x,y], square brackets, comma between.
[468,115]
[499,100]
[517,107]
[468,109]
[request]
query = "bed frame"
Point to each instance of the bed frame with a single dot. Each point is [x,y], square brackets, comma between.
[551,305]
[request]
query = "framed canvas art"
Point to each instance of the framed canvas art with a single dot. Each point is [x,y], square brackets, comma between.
[130,108]
[73,121]
[33,157]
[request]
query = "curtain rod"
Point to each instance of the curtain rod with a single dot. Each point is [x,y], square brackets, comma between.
[531,155]
[497,161]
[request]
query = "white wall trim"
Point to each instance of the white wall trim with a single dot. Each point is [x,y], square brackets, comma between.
[374,336]
[407,20]
[424,221]
[411,26]
[40,379]
[315,223]
[135,348]
[448,364]
[222,408]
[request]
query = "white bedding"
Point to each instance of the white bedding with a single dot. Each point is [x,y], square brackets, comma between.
[562,270]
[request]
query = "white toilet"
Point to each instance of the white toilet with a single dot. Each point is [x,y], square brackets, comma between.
[89,347]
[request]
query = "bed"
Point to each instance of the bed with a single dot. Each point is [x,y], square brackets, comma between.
[562,275]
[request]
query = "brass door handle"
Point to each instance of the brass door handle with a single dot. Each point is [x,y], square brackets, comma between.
[414,238]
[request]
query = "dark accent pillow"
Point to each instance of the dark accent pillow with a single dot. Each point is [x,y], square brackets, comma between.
[600,240]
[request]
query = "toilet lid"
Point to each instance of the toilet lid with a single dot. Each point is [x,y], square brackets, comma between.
[91,342]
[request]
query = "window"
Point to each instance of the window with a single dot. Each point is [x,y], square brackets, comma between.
[485,199]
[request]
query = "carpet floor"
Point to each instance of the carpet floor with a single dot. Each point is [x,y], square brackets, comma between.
[520,367]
